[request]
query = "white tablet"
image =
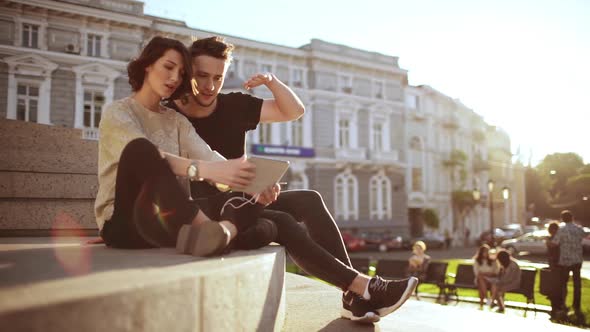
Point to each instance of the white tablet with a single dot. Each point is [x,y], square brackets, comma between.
[268,172]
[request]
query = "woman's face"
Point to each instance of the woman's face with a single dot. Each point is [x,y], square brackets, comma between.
[418,250]
[485,253]
[165,75]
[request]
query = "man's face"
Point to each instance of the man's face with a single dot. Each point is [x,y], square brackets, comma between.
[209,72]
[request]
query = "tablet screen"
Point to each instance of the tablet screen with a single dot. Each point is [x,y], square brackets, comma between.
[268,172]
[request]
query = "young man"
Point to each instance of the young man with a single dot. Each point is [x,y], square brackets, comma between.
[569,238]
[222,120]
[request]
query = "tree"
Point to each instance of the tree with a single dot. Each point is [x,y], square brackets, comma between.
[431,218]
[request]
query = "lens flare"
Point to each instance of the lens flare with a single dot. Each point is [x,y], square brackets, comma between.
[74,258]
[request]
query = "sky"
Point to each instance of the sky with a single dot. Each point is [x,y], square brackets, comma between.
[523,65]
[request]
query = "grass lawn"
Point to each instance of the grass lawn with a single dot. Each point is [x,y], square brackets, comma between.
[539,298]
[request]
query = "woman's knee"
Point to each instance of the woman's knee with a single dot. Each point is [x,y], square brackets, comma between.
[140,148]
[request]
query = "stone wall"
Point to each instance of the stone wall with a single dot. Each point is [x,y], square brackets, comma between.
[47,178]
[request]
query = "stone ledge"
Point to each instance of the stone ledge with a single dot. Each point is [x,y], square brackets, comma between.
[65,286]
[47,214]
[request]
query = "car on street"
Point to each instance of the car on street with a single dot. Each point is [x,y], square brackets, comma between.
[532,243]
[499,236]
[432,241]
[353,242]
[512,231]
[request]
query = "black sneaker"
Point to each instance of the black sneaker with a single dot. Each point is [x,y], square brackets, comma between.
[358,309]
[388,295]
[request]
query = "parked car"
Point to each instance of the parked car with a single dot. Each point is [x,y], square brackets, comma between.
[485,237]
[533,243]
[530,229]
[353,242]
[432,241]
[512,231]
[381,241]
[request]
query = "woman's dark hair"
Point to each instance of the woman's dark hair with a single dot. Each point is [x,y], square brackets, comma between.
[215,46]
[479,256]
[504,258]
[553,227]
[154,50]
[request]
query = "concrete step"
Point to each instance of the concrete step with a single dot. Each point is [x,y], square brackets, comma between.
[60,284]
[48,180]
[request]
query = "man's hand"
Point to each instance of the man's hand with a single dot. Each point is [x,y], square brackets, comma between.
[269,195]
[236,173]
[258,80]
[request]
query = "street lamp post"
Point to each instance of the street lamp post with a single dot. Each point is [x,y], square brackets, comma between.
[491,205]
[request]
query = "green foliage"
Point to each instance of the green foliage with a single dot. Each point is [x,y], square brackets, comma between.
[564,189]
[431,218]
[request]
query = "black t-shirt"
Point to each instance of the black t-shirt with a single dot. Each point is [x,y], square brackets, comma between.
[225,129]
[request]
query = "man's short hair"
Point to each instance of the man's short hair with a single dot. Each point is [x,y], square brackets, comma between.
[214,46]
[567,216]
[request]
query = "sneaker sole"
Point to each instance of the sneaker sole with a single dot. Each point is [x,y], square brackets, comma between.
[368,318]
[204,240]
[412,284]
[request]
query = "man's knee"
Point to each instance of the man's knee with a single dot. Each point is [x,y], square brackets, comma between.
[311,198]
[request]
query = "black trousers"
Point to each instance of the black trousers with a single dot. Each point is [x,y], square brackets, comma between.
[317,248]
[564,278]
[150,205]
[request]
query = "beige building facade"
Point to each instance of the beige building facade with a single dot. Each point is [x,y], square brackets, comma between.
[375,146]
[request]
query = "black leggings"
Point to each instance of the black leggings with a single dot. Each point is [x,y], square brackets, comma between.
[150,205]
[144,184]
[321,252]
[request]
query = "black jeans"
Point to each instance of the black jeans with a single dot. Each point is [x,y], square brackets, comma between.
[146,185]
[319,250]
[565,275]
[150,205]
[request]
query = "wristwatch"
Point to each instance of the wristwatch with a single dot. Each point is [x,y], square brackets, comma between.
[192,172]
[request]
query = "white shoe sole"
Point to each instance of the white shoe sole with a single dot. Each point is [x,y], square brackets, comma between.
[368,318]
[412,284]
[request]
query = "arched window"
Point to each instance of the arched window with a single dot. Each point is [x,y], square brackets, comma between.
[346,196]
[380,197]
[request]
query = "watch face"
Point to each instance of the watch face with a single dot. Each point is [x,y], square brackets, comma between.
[192,171]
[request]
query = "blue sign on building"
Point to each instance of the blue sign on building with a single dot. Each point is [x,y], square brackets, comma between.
[282,150]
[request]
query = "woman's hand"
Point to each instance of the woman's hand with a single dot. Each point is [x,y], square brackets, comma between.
[269,195]
[236,173]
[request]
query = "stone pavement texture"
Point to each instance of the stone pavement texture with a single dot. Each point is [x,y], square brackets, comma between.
[314,306]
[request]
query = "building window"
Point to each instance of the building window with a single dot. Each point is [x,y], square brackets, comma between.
[344,133]
[266,68]
[379,90]
[232,71]
[346,189]
[93,103]
[297,132]
[264,133]
[412,101]
[380,197]
[297,78]
[27,101]
[378,136]
[30,35]
[345,82]
[93,44]
[417,179]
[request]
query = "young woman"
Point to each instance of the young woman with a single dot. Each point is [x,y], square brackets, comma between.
[418,262]
[144,147]
[507,280]
[484,267]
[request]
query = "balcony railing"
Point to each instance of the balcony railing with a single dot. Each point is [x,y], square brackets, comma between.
[91,134]
[351,153]
[392,155]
